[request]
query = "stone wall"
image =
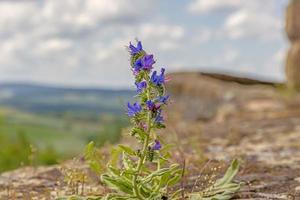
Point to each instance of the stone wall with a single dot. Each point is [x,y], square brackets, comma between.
[293,33]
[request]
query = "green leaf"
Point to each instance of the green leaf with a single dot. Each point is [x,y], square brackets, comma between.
[115,155]
[139,133]
[114,171]
[118,183]
[79,198]
[127,162]
[127,149]
[170,179]
[159,173]
[117,197]
[176,194]
[230,174]
[95,166]
[174,180]
[94,158]
[128,173]
[146,192]
[223,189]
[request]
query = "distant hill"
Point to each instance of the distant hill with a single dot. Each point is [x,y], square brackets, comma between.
[48,99]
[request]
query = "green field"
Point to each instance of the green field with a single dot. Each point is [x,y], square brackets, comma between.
[30,139]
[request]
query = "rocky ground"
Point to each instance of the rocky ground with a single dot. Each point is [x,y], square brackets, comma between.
[213,120]
[257,122]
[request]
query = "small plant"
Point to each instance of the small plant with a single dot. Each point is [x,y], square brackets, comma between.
[145,172]
[94,158]
[75,178]
[222,189]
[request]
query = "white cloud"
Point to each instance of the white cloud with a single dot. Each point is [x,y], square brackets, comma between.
[58,41]
[206,6]
[166,36]
[246,23]
[55,44]
[230,56]
[88,13]
[83,41]
[16,14]
[252,18]
[168,45]
[203,35]
[161,30]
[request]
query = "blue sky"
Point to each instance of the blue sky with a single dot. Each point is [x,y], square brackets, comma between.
[81,42]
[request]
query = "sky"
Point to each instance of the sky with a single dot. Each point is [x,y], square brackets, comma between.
[83,42]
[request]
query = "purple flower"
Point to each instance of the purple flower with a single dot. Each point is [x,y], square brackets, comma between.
[159,119]
[158,79]
[133,109]
[144,63]
[134,50]
[156,146]
[138,65]
[152,106]
[148,61]
[163,99]
[140,86]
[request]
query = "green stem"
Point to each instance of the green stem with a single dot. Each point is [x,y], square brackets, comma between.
[144,150]
[158,168]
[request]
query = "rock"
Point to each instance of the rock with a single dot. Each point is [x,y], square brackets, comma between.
[293,57]
[293,66]
[254,122]
[292,26]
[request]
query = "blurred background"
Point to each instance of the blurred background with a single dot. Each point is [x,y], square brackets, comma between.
[65,76]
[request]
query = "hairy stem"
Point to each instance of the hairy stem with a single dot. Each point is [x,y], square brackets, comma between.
[144,150]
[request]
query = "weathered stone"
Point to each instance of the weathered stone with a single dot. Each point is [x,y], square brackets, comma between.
[293,32]
[293,20]
[252,121]
[293,65]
